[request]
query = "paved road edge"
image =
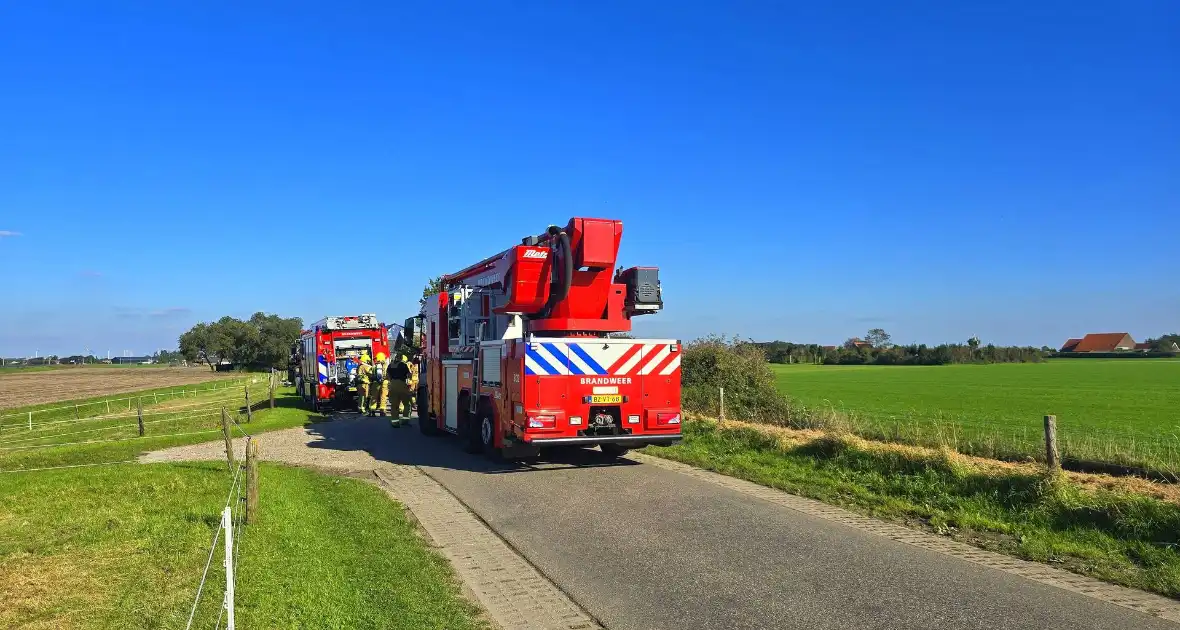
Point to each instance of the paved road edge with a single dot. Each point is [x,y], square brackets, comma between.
[1148,603]
[513,592]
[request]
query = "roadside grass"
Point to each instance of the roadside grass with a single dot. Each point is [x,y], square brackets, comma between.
[1120,412]
[348,557]
[198,418]
[1122,537]
[124,546]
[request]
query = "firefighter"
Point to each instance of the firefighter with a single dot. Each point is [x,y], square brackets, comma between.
[362,384]
[378,386]
[399,392]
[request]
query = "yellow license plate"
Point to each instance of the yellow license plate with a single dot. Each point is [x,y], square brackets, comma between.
[605,400]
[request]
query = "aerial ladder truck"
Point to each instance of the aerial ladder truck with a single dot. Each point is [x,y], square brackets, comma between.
[528,349]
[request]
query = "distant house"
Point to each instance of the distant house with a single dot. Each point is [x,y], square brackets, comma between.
[857,342]
[1100,342]
[1143,347]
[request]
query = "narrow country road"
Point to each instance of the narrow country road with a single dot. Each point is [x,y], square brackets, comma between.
[643,547]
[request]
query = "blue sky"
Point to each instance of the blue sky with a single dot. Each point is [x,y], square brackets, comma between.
[797,171]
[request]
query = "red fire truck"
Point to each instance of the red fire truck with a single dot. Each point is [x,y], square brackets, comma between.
[328,354]
[526,349]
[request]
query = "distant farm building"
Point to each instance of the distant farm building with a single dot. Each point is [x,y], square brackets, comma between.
[1101,342]
[126,360]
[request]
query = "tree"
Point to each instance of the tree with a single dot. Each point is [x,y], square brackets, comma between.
[274,339]
[205,342]
[973,343]
[1164,342]
[433,286]
[878,337]
[262,341]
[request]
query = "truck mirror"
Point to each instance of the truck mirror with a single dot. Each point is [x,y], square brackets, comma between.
[408,331]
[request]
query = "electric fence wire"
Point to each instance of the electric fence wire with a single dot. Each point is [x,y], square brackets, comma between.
[233,490]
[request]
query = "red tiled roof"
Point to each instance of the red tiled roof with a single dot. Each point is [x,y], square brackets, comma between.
[1143,346]
[1070,344]
[1103,342]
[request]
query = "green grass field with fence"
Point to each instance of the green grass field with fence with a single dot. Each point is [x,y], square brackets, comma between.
[1124,413]
[91,539]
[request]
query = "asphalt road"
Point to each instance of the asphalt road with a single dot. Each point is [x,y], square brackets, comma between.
[645,548]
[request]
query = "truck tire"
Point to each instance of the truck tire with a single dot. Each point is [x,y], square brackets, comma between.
[613,451]
[469,433]
[487,437]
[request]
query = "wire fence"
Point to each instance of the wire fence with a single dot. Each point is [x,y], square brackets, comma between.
[29,418]
[207,406]
[241,500]
[195,418]
[236,512]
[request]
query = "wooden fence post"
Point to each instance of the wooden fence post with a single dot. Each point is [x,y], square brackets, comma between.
[249,411]
[251,479]
[721,414]
[139,412]
[1051,456]
[273,382]
[229,445]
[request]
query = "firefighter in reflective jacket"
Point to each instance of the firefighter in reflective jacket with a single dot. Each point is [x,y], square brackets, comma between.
[362,384]
[399,392]
[378,386]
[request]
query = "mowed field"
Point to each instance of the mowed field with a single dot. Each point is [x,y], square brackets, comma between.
[1120,410]
[20,388]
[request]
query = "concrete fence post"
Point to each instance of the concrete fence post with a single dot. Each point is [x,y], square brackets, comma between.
[1052,459]
[30,421]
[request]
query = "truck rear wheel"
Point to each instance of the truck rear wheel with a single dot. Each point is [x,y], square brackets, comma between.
[613,451]
[487,437]
[469,432]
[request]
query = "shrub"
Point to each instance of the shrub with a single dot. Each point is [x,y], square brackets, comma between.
[741,368]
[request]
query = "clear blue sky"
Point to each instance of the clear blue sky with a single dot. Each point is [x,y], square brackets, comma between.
[797,170]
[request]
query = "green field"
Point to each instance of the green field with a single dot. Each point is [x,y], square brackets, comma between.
[1120,411]
[90,540]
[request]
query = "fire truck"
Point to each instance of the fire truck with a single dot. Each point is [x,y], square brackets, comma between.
[328,353]
[527,349]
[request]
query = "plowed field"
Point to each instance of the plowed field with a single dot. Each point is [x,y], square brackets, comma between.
[32,388]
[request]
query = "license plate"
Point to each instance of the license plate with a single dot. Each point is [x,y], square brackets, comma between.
[605,400]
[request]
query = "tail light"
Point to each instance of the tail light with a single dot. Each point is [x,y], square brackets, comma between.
[542,422]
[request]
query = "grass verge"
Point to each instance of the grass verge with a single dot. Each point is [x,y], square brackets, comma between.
[1122,537]
[123,547]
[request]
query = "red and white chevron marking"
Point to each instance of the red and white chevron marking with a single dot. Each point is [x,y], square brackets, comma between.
[646,358]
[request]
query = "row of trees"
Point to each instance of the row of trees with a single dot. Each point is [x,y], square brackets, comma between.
[877,349]
[263,341]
